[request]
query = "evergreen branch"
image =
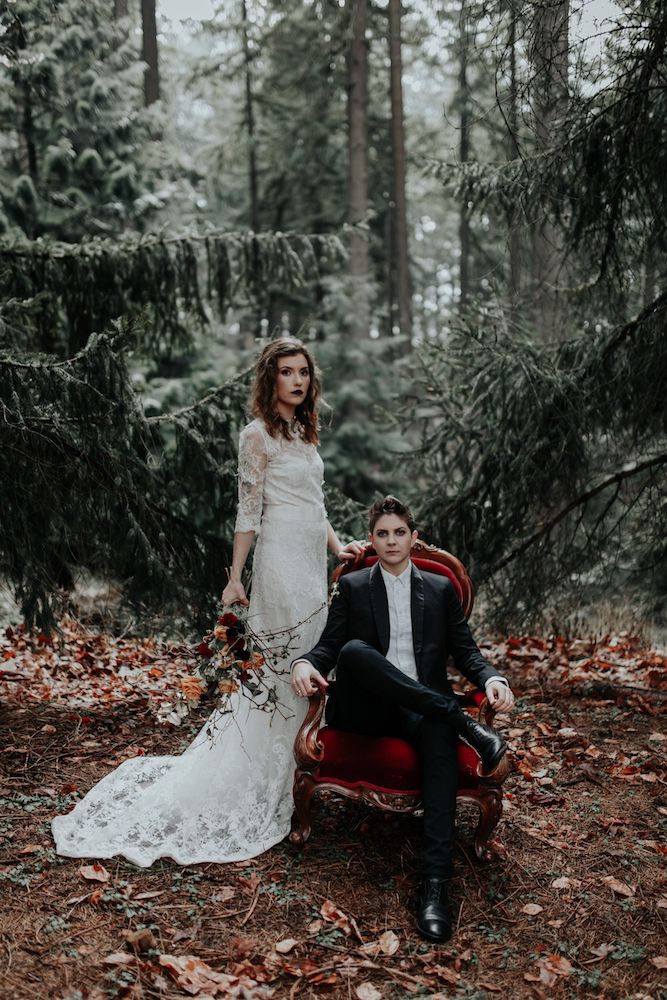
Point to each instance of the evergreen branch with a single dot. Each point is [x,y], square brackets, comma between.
[133,244]
[579,502]
[164,418]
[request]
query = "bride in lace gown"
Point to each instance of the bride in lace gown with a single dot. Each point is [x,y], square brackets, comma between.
[228,796]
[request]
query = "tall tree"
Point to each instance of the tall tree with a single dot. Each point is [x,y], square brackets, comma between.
[464,151]
[514,238]
[72,161]
[549,57]
[250,122]
[358,166]
[400,240]
[149,52]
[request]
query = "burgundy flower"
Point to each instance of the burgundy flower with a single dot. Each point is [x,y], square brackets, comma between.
[229,618]
[205,650]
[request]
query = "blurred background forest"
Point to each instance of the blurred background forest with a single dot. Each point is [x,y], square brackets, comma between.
[462,206]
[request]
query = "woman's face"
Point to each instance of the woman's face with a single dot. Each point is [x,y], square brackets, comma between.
[292,380]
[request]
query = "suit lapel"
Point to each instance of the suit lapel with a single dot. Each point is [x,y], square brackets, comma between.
[380,606]
[417,610]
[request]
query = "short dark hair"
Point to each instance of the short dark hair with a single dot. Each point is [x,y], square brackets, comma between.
[390,505]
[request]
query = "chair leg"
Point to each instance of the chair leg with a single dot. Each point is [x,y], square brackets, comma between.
[490,810]
[303,790]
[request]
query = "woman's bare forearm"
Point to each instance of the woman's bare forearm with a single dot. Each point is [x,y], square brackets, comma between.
[333,541]
[242,544]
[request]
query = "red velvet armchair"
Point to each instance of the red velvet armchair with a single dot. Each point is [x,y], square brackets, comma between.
[385,771]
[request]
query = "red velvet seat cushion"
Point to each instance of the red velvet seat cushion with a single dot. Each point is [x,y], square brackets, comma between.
[384,763]
[429,566]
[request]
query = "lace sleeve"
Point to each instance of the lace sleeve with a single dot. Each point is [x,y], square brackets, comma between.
[253,459]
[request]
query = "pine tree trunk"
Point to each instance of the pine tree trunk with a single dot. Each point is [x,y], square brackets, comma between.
[464,155]
[16,41]
[649,291]
[399,208]
[513,154]
[250,124]
[549,56]
[150,52]
[358,167]
[120,9]
[26,144]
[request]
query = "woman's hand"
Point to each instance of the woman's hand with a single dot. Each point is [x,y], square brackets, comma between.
[351,551]
[234,593]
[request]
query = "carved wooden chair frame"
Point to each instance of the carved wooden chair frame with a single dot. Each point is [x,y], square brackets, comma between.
[309,750]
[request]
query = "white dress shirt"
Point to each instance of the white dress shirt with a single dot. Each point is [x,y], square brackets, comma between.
[401,652]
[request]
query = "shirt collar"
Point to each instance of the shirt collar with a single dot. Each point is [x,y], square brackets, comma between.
[402,578]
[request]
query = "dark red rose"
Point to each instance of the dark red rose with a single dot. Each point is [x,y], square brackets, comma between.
[229,618]
[245,675]
[243,654]
[205,650]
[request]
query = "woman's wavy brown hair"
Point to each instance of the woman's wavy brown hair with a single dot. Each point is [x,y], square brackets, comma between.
[263,398]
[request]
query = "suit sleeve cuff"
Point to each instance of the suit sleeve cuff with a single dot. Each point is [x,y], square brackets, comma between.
[496,677]
[300,660]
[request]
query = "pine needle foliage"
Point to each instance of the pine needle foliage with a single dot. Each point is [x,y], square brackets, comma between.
[545,469]
[55,295]
[146,502]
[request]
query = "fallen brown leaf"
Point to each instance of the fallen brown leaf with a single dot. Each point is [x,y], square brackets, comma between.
[285,946]
[366,991]
[532,909]
[564,882]
[389,943]
[141,940]
[95,873]
[118,958]
[620,888]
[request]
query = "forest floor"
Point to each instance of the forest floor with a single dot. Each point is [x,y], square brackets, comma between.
[573,902]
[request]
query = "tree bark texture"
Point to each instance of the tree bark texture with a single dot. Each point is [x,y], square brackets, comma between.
[358,167]
[250,124]
[513,154]
[464,155]
[549,58]
[399,207]
[120,8]
[150,52]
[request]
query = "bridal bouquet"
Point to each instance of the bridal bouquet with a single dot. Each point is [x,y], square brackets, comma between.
[231,659]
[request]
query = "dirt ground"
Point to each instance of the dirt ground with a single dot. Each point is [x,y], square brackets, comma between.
[573,903]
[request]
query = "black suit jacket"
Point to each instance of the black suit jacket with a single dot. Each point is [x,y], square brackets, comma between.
[439,628]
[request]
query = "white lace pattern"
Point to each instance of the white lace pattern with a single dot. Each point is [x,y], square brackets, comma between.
[228,796]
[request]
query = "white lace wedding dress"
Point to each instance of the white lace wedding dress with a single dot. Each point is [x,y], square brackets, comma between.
[228,796]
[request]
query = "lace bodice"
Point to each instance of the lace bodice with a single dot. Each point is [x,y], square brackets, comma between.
[277,475]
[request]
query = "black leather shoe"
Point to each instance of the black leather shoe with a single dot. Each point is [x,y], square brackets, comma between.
[489,745]
[433,918]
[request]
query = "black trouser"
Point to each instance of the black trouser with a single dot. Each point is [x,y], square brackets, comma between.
[375,698]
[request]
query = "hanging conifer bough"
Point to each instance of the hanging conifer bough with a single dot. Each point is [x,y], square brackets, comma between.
[88,480]
[61,293]
[546,469]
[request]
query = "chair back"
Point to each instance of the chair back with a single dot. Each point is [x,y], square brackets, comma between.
[428,558]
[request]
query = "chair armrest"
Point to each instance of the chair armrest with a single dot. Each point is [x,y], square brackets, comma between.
[308,749]
[474,698]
